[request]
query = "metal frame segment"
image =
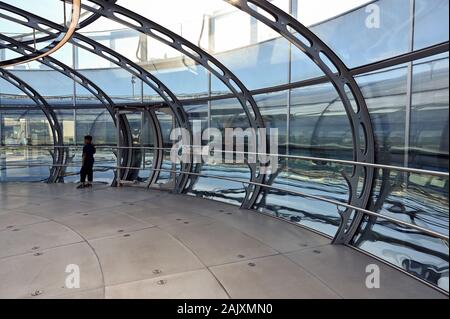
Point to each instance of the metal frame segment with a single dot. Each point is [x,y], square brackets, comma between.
[339,75]
[58,142]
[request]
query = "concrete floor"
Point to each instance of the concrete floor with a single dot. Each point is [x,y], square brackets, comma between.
[136,243]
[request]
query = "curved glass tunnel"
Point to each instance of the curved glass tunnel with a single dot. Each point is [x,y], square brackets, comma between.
[398,60]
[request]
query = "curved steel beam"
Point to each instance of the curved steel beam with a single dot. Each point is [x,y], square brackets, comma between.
[58,143]
[57,44]
[98,49]
[16,46]
[347,88]
[158,32]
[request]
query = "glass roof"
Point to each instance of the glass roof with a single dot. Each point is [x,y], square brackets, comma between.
[247,47]
[359,80]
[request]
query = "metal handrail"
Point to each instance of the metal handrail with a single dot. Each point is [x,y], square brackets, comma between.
[288,156]
[319,198]
[297,193]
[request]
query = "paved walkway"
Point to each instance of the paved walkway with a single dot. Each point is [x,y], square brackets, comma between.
[137,243]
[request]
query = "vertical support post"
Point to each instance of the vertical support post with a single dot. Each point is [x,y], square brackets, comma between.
[253,30]
[143,112]
[3,167]
[75,67]
[142,138]
[119,150]
[292,11]
[112,45]
[143,48]
[174,165]
[409,88]
[211,35]
[211,32]
[293,8]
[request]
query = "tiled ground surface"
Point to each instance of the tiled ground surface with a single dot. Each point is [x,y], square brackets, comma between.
[136,243]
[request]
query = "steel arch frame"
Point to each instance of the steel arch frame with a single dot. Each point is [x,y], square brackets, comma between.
[52,119]
[113,12]
[361,125]
[79,78]
[114,57]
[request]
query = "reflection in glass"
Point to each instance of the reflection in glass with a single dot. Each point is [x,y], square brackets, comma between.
[431,23]
[319,125]
[26,140]
[429,114]
[415,198]
[386,99]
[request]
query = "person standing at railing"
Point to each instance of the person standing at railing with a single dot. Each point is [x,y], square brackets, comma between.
[87,167]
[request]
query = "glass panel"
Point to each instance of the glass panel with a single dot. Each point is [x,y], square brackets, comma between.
[263,65]
[26,145]
[10,95]
[302,67]
[66,119]
[319,127]
[56,89]
[431,23]
[120,85]
[49,9]
[224,114]
[319,124]
[52,10]
[311,179]
[250,49]
[313,12]
[178,72]
[429,114]
[369,34]
[274,110]
[385,94]
[415,198]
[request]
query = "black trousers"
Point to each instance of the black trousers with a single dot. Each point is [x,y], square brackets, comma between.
[87,170]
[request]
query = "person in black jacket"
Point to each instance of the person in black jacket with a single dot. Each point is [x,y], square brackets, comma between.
[88,163]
